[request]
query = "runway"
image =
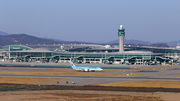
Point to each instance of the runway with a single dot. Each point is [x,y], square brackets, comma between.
[157,75]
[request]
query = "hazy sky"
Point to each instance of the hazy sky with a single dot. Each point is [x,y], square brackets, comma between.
[92,20]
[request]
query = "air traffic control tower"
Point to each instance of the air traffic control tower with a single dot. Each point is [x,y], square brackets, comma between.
[121,35]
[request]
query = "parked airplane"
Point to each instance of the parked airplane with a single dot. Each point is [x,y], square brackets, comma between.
[85,69]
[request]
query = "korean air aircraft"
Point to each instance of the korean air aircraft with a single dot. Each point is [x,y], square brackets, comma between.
[85,69]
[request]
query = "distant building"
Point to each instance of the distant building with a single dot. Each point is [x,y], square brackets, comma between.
[92,53]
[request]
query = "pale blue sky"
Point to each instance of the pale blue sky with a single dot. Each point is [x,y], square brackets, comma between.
[92,20]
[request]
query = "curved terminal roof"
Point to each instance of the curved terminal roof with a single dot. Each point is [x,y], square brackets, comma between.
[113,53]
[17,47]
[107,46]
[36,50]
[144,52]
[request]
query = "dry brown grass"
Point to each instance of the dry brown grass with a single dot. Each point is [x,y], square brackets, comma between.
[64,73]
[54,69]
[135,69]
[155,69]
[95,97]
[177,77]
[156,84]
[73,97]
[20,80]
[67,69]
[117,70]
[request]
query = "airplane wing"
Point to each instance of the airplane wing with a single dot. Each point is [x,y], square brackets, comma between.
[95,69]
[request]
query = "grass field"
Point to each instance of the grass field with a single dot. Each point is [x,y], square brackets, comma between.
[156,84]
[66,69]
[38,69]
[63,73]
[60,95]
[20,80]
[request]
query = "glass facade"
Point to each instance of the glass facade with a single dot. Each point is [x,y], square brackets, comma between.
[154,50]
[100,54]
[31,54]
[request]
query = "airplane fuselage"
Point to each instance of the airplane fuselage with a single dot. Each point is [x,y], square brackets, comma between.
[88,68]
[85,69]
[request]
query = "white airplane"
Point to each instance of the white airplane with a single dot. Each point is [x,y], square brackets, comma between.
[85,69]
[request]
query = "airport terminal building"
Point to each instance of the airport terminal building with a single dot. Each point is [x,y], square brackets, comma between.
[92,53]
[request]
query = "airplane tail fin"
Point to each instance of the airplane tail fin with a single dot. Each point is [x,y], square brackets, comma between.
[72,65]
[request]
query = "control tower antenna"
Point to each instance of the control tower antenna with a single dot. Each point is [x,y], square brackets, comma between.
[121,35]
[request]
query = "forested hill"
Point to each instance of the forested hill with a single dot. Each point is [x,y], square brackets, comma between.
[16,39]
